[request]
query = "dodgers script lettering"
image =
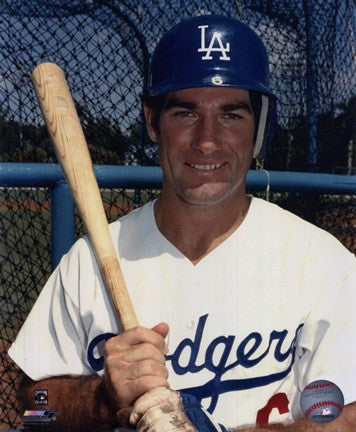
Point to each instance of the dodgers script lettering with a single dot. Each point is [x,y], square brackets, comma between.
[246,354]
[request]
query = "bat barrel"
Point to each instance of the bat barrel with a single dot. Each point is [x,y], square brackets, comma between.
[72,152]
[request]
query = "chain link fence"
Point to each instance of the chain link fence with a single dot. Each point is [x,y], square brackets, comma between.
[104,47]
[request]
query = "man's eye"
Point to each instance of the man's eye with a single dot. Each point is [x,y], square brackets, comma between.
[183,114]
[232,116]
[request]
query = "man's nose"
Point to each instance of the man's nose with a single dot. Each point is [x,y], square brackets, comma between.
[206,137]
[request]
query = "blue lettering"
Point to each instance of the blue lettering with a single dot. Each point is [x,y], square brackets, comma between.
[97,364]
[218,363]
[194,347]
[243,358]
[209,389]
[278,355]
[227,341]
[245,350]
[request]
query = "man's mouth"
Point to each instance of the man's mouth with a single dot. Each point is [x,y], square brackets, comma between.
[205,167]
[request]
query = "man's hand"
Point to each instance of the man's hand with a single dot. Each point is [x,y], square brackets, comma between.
[160,410]
[135,364]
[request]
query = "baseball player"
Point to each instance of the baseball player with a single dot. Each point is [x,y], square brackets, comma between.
[242,304]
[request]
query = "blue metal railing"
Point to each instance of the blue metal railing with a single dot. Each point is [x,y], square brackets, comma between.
[108,176]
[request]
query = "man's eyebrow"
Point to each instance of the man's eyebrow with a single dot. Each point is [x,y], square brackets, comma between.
[236,106]
[178,103]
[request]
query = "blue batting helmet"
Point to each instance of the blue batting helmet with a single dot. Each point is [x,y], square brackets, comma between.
[215,51]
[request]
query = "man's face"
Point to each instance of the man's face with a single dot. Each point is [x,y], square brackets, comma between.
[205,143]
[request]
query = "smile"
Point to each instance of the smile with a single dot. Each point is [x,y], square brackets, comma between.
[206,167]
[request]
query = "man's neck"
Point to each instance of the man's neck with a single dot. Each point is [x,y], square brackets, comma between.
[196,230]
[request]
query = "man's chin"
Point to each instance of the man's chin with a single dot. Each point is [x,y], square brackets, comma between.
[207,196]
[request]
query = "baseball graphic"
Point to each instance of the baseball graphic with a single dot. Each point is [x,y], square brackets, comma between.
[321,401]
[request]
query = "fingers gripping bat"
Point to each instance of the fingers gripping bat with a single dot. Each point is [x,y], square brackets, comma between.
[73,155]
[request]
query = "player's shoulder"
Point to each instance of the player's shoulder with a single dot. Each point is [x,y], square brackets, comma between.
[137,219]
[285,220]
[299,231]
[129,226]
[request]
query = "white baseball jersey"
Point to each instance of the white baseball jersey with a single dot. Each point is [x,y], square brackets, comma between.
[265,313]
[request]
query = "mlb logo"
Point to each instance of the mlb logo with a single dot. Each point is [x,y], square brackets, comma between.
[326,411]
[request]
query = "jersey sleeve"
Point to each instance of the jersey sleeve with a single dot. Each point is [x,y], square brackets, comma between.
[326,343]
[51,339]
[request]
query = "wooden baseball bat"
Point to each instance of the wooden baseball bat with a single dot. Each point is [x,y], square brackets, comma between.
[72,152]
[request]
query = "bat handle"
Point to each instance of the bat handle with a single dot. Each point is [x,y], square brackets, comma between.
[113,277]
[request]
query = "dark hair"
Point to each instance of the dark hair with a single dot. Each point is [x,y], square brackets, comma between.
[156,103]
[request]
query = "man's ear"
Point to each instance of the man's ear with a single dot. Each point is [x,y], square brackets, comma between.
[151,123]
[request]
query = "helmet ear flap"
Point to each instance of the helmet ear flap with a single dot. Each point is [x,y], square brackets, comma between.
[261,126]
[266,127]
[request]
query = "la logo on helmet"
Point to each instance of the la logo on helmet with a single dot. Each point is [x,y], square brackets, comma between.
[215,45]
